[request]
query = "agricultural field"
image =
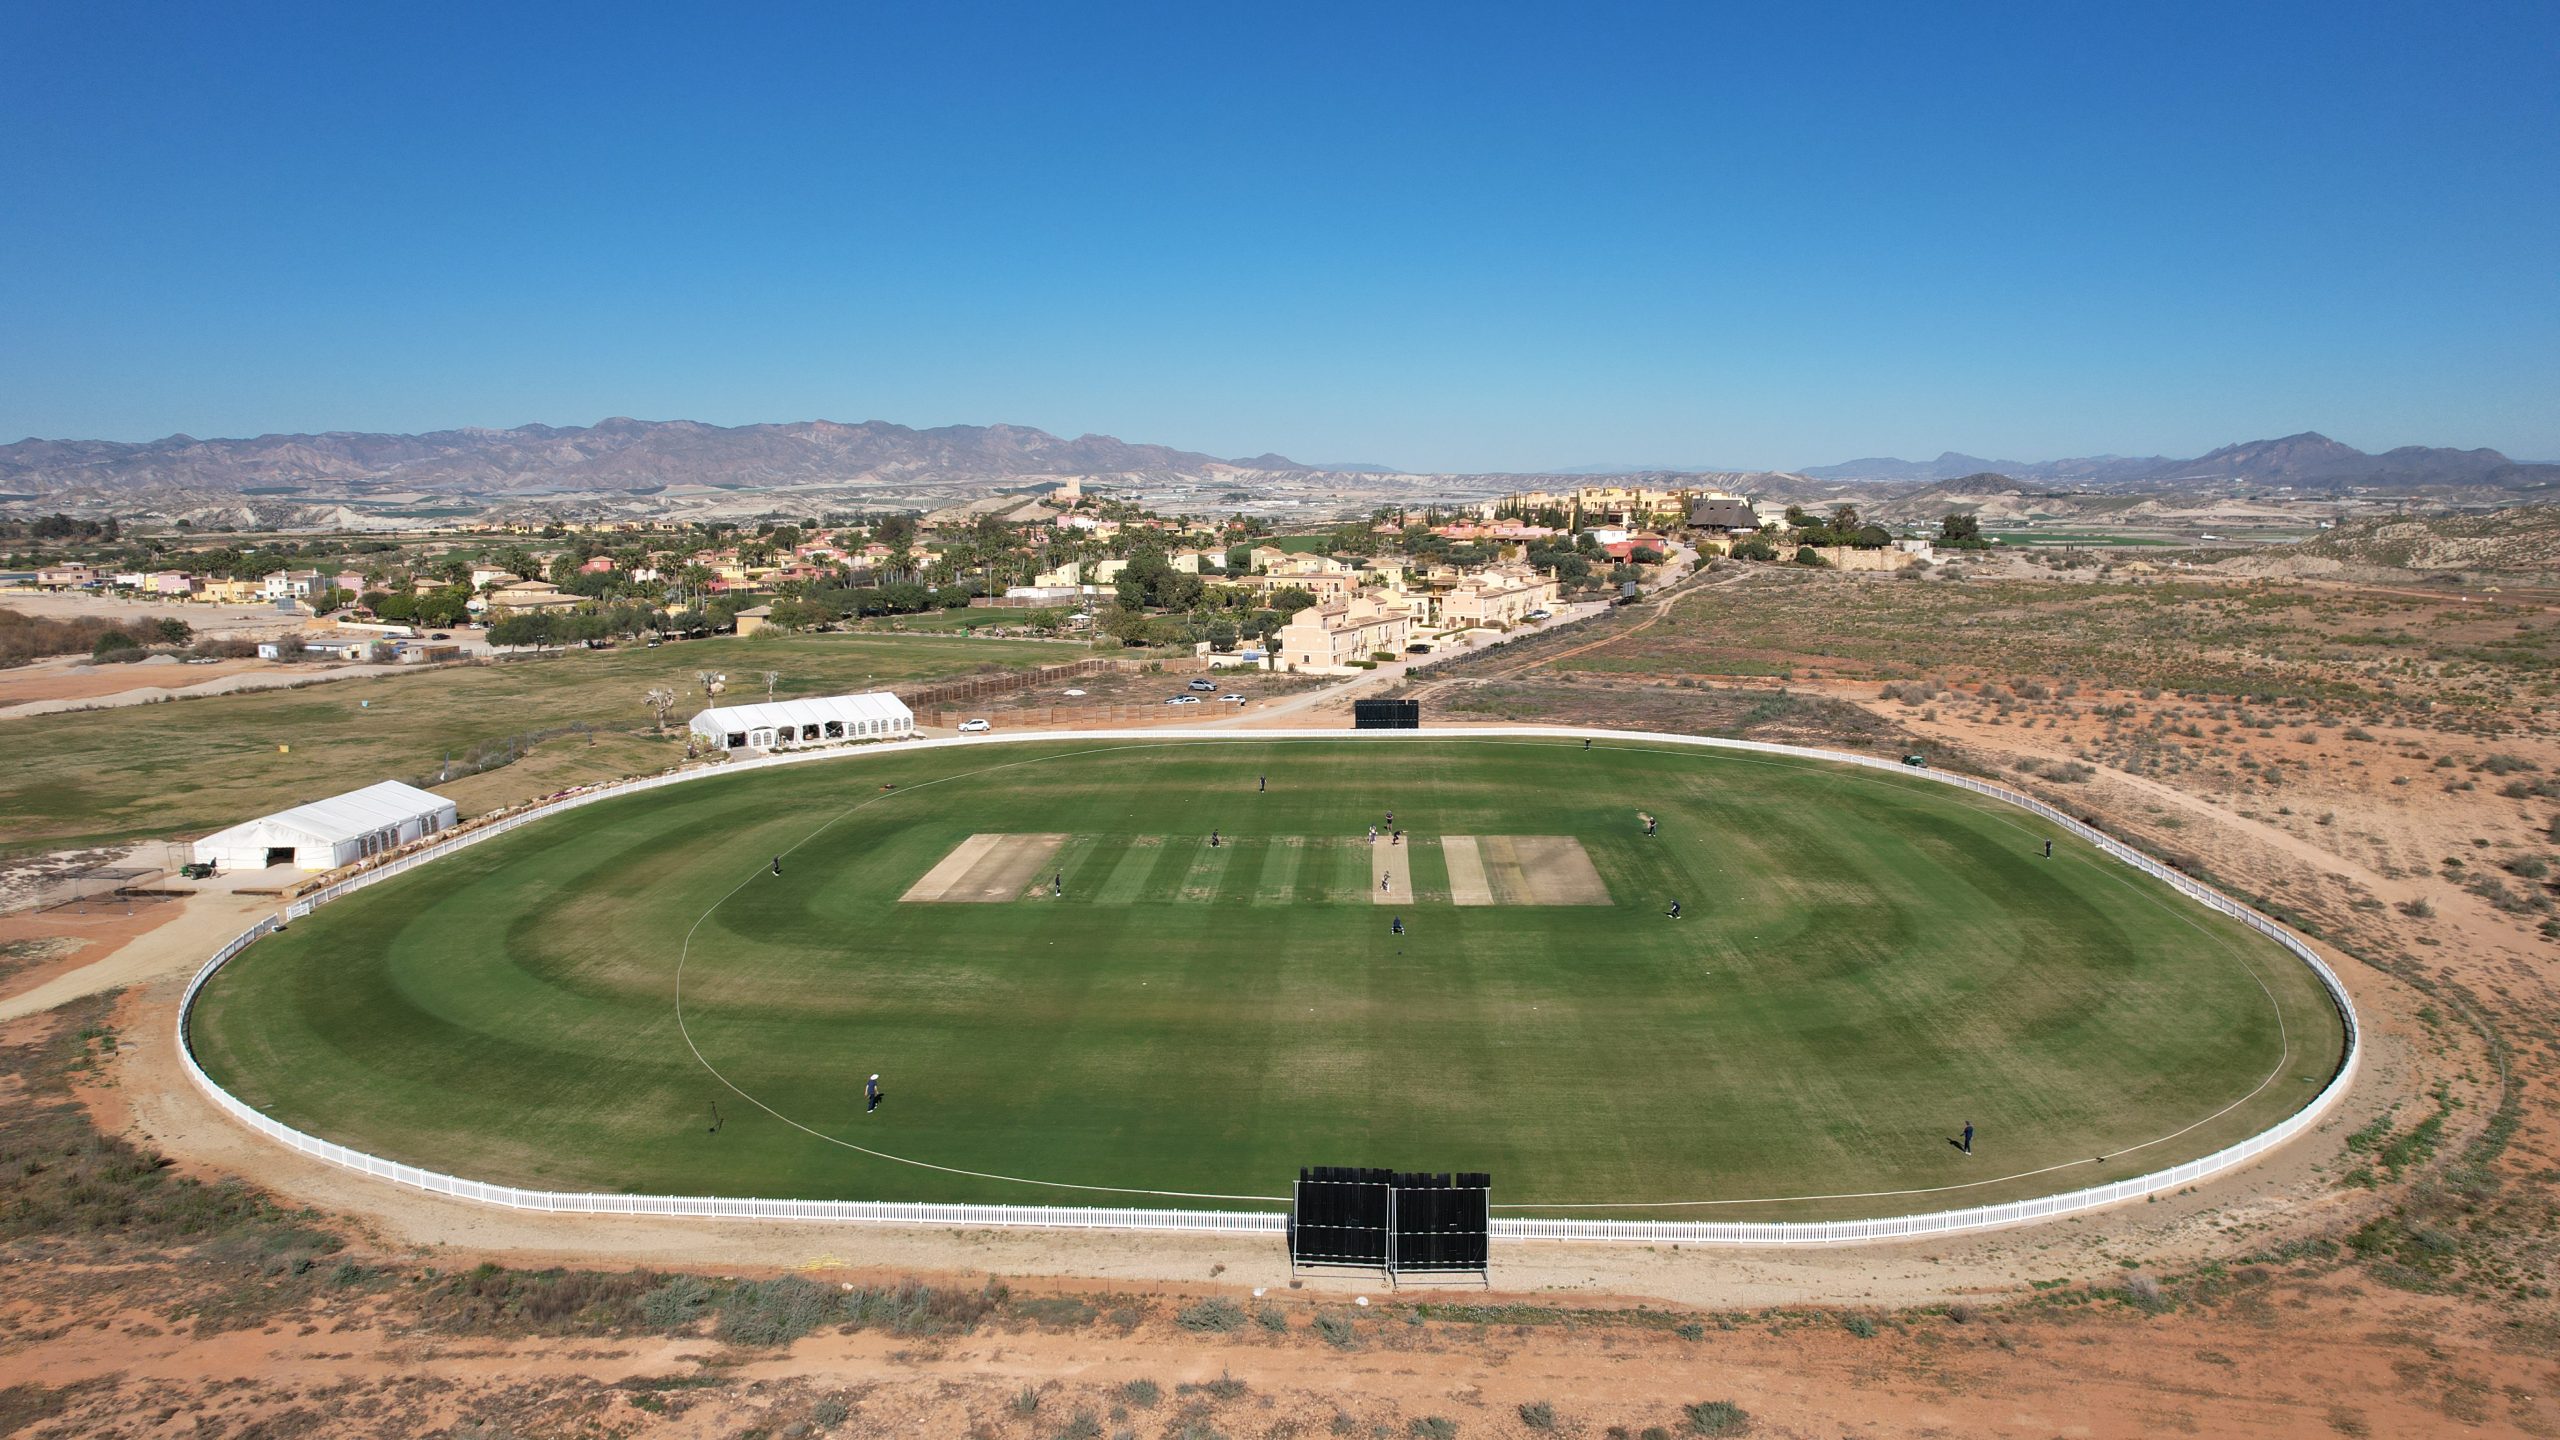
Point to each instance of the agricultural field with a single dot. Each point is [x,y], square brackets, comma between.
[1073,997]
[509,731]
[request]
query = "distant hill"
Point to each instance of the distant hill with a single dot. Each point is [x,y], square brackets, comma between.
[2308,461]
[2519,540]
[617,455]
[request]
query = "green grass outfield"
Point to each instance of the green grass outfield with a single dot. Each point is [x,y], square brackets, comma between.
[1869,960]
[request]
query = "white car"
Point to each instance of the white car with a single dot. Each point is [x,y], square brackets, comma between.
[1075,694]
[1184,700]
[975,727]
[1542,614]
[1231,699]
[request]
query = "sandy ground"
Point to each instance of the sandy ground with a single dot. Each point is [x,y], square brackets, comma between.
[223,620]
[126,943]
[2066,1378]
[74,677]
[99,687]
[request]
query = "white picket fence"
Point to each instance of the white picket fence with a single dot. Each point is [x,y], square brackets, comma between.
[1079,1217]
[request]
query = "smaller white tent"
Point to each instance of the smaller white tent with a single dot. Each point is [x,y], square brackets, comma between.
[799,724]
[326,834]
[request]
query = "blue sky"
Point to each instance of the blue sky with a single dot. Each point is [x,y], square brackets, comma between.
[1468,237]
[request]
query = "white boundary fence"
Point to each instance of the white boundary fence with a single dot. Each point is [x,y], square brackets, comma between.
[1078,1217]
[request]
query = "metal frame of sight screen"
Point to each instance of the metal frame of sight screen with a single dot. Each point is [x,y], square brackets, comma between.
[1386,714]
[1396,1221]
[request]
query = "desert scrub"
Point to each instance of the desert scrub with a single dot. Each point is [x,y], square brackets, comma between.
[674,1304]
[912,1307]
[1717,1417]
[1212,1317]
[773,1312]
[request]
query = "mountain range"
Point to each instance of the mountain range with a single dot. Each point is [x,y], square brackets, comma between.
[2308,461]
[612,455]
[628,468]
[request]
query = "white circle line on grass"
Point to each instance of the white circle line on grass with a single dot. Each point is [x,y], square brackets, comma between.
[1833,773]
[1996,1215]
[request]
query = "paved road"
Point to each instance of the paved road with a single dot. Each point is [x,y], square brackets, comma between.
[1388,674]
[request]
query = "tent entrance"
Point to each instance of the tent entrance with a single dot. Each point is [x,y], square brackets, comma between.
[279,855]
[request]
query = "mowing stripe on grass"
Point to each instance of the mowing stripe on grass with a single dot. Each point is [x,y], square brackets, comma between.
[1081,863]
[1208,871]
[1128,880]
[1279,882]
[1335,872]
[1243,878]
[1174,854]
[1430,872]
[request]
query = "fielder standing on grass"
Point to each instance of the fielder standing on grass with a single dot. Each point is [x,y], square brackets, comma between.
[777,864]
[1968,1137]
[871,1094]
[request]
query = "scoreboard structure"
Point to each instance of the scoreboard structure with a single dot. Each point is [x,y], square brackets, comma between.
[1404,1223]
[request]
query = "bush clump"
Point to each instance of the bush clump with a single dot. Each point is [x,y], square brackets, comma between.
[912,1307]
[773,1312]
[673,1305]
[1717,1417]
[1215,1317]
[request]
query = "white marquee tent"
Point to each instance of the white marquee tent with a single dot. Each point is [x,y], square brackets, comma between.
[798,724]
[326,834]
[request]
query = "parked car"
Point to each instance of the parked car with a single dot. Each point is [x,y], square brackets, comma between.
[440,635]
[975,727]
[1184,700]
[1075,694]
[1542,614]
[1205,687]
[1232,699]
[1417,648]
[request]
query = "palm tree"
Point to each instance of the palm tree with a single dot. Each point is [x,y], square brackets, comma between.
[661,700]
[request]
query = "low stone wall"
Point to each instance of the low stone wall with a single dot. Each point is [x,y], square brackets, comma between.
[1850,557]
